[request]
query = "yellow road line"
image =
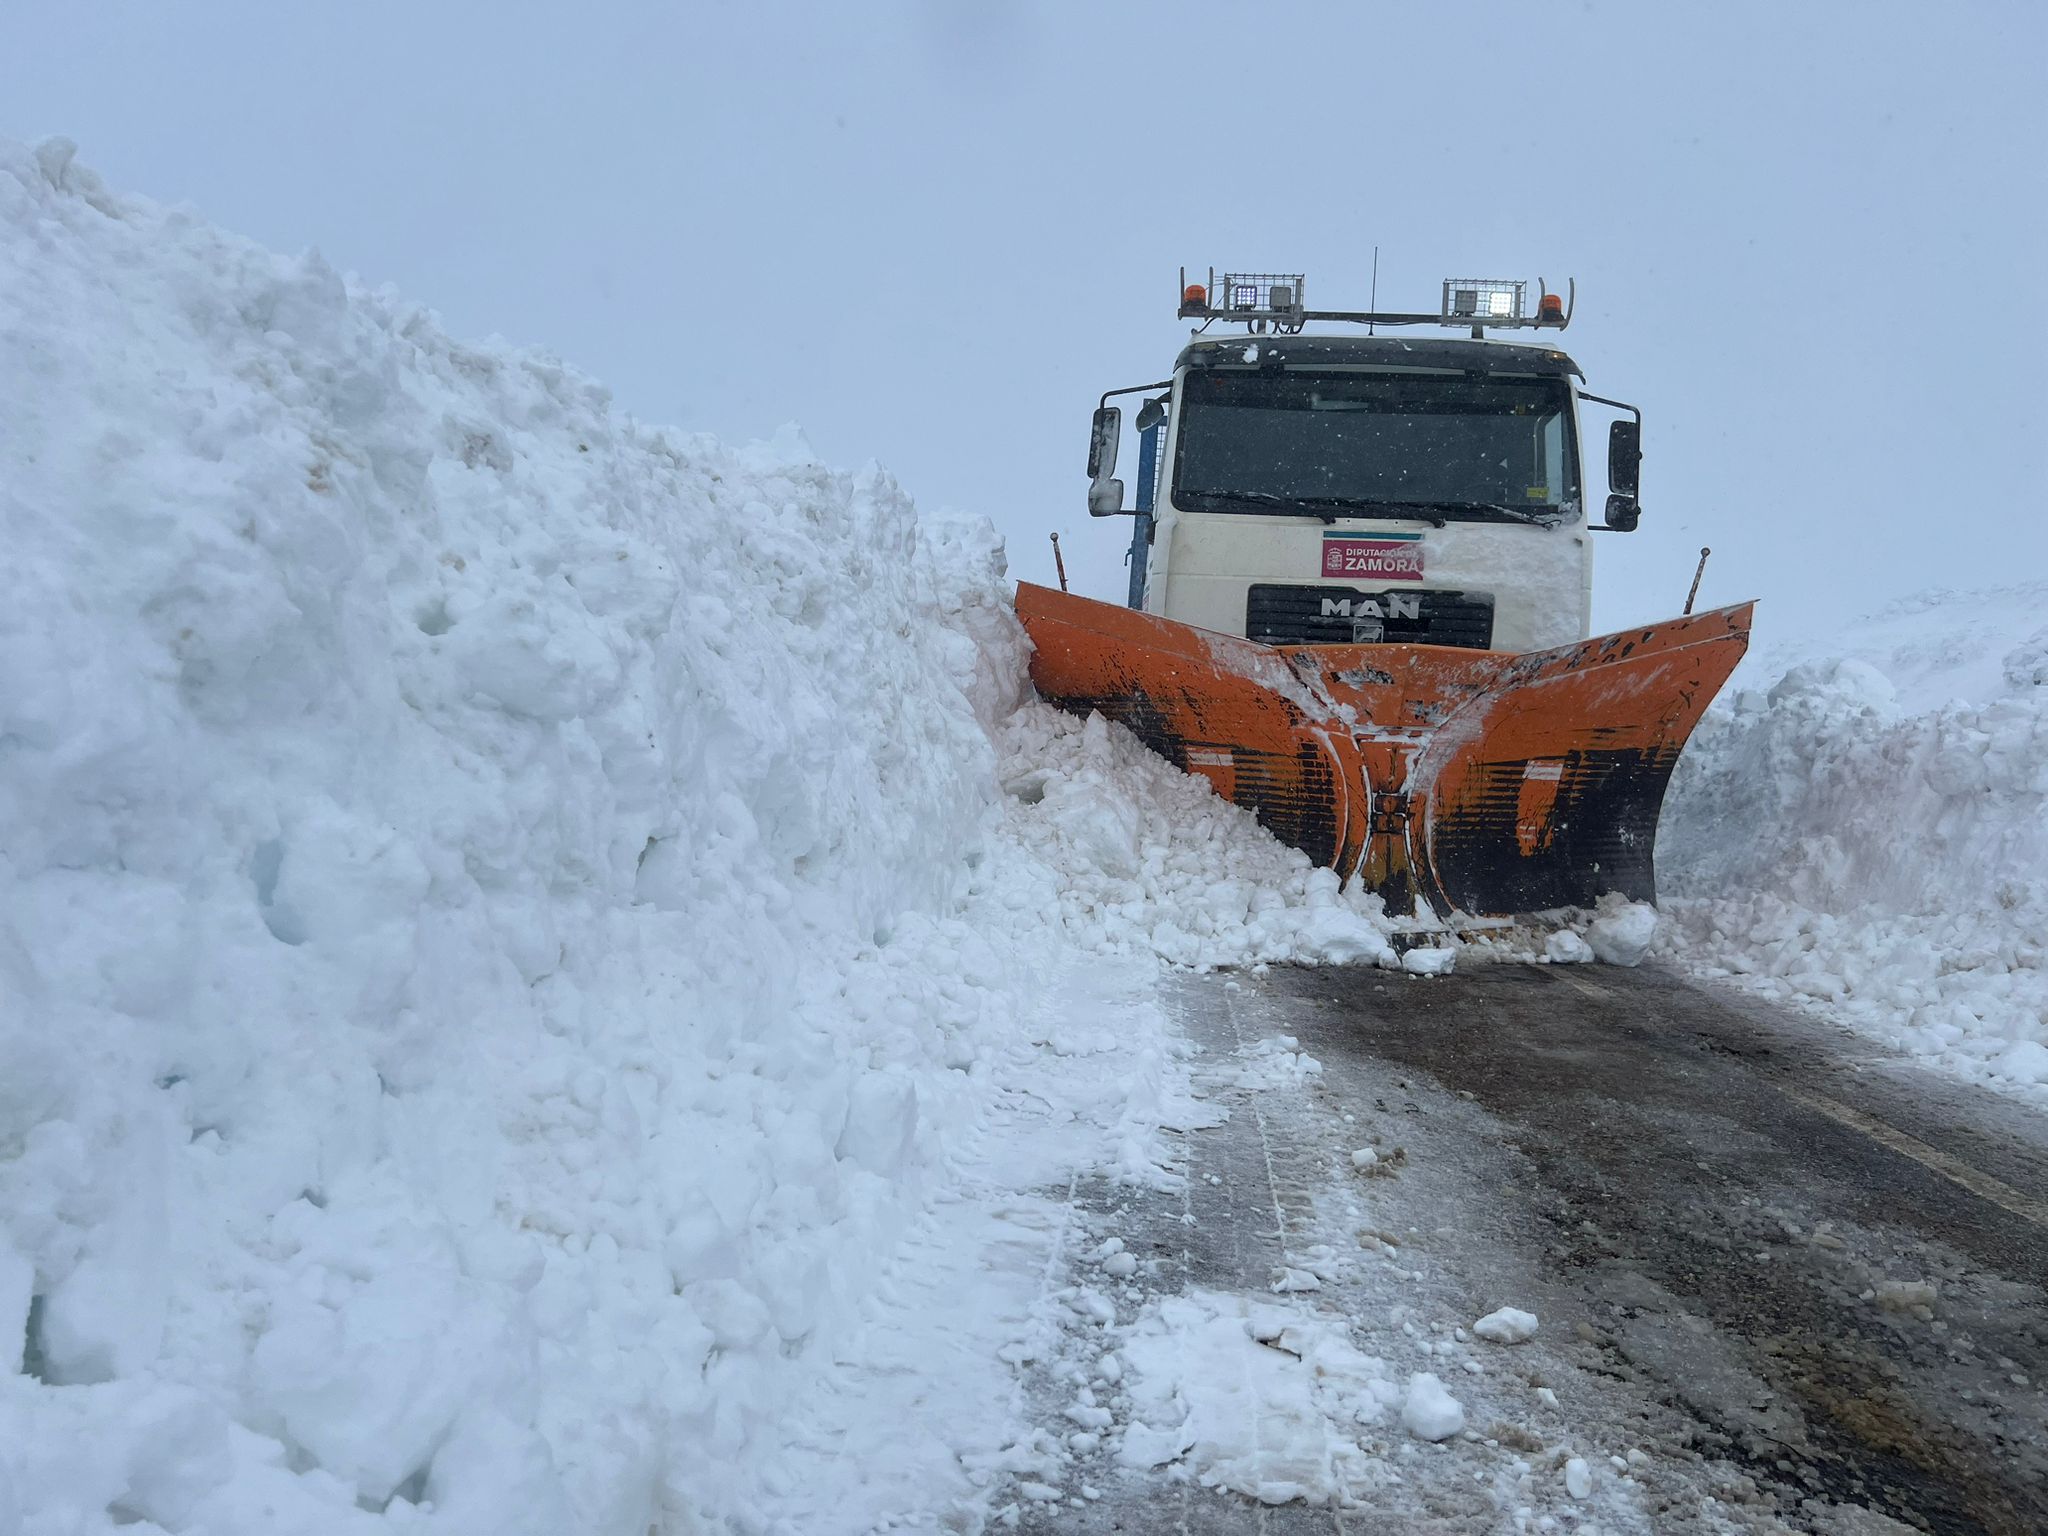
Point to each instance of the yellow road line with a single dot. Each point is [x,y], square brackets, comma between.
[1568,975]
[1954,1169]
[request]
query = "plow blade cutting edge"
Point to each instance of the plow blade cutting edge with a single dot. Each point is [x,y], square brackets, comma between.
[1482,783]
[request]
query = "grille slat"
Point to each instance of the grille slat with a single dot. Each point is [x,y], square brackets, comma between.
[1284,615]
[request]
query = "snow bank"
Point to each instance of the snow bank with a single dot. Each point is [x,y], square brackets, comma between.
[507,917]
[465,1039]
[1870,834]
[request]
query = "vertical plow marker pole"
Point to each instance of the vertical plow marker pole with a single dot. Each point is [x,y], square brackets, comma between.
[1697,572]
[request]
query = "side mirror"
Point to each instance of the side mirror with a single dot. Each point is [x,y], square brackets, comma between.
[1150,414]
[1625,458]
[1105,493]
[1102,439]
[1624,474]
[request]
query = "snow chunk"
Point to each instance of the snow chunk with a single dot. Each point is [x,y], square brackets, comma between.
[1434,961]
[1428,1411]
[1621,933]
[2025,1061]
[1565,947]
[1578,1478]
[1508,1325]
[1278,1061]
[1276,1420]
[1100,827]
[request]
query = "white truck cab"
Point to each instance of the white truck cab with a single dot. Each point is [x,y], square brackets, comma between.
[1299,488]
[1396,531]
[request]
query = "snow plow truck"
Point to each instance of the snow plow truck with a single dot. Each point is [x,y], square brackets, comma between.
[1361,594]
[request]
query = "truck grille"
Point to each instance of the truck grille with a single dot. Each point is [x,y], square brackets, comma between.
[1281,615]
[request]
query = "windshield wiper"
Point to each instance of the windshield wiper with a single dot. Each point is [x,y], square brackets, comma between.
[1306,506]
[1546,518]
[1432,512]
[1425,511]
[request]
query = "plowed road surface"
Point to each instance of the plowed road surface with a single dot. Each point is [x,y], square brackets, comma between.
[1801,1281]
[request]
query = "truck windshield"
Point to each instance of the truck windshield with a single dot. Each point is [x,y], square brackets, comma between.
[1436,445]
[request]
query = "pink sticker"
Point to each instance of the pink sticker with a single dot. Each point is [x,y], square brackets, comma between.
[1377,559]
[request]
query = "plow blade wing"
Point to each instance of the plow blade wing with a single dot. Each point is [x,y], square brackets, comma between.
[1486,783]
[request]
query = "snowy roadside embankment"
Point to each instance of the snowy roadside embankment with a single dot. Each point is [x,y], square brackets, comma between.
[435,845]
[1869,835]
[507,917]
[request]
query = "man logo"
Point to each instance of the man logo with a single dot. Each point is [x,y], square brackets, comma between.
[1390,605]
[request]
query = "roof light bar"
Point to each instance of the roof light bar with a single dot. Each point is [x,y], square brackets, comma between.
[1263,301]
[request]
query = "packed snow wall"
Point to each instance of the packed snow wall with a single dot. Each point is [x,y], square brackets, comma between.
[1869,832]
[506,916]
[438,823]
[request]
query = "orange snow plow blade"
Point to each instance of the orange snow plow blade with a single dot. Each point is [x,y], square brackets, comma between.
[1485,783]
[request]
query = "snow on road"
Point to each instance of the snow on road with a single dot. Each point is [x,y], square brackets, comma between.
[1356,1344]
[923,1416]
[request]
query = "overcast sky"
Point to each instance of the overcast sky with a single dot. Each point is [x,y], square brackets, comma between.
[1808,239]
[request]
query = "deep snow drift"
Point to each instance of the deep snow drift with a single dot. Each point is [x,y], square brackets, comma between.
[507,917]
[1867,832]
[436,846]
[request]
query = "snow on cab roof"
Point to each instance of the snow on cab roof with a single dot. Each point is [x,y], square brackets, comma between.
[1425,352]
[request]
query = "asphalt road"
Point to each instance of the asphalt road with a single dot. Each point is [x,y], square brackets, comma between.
[1806,1279]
